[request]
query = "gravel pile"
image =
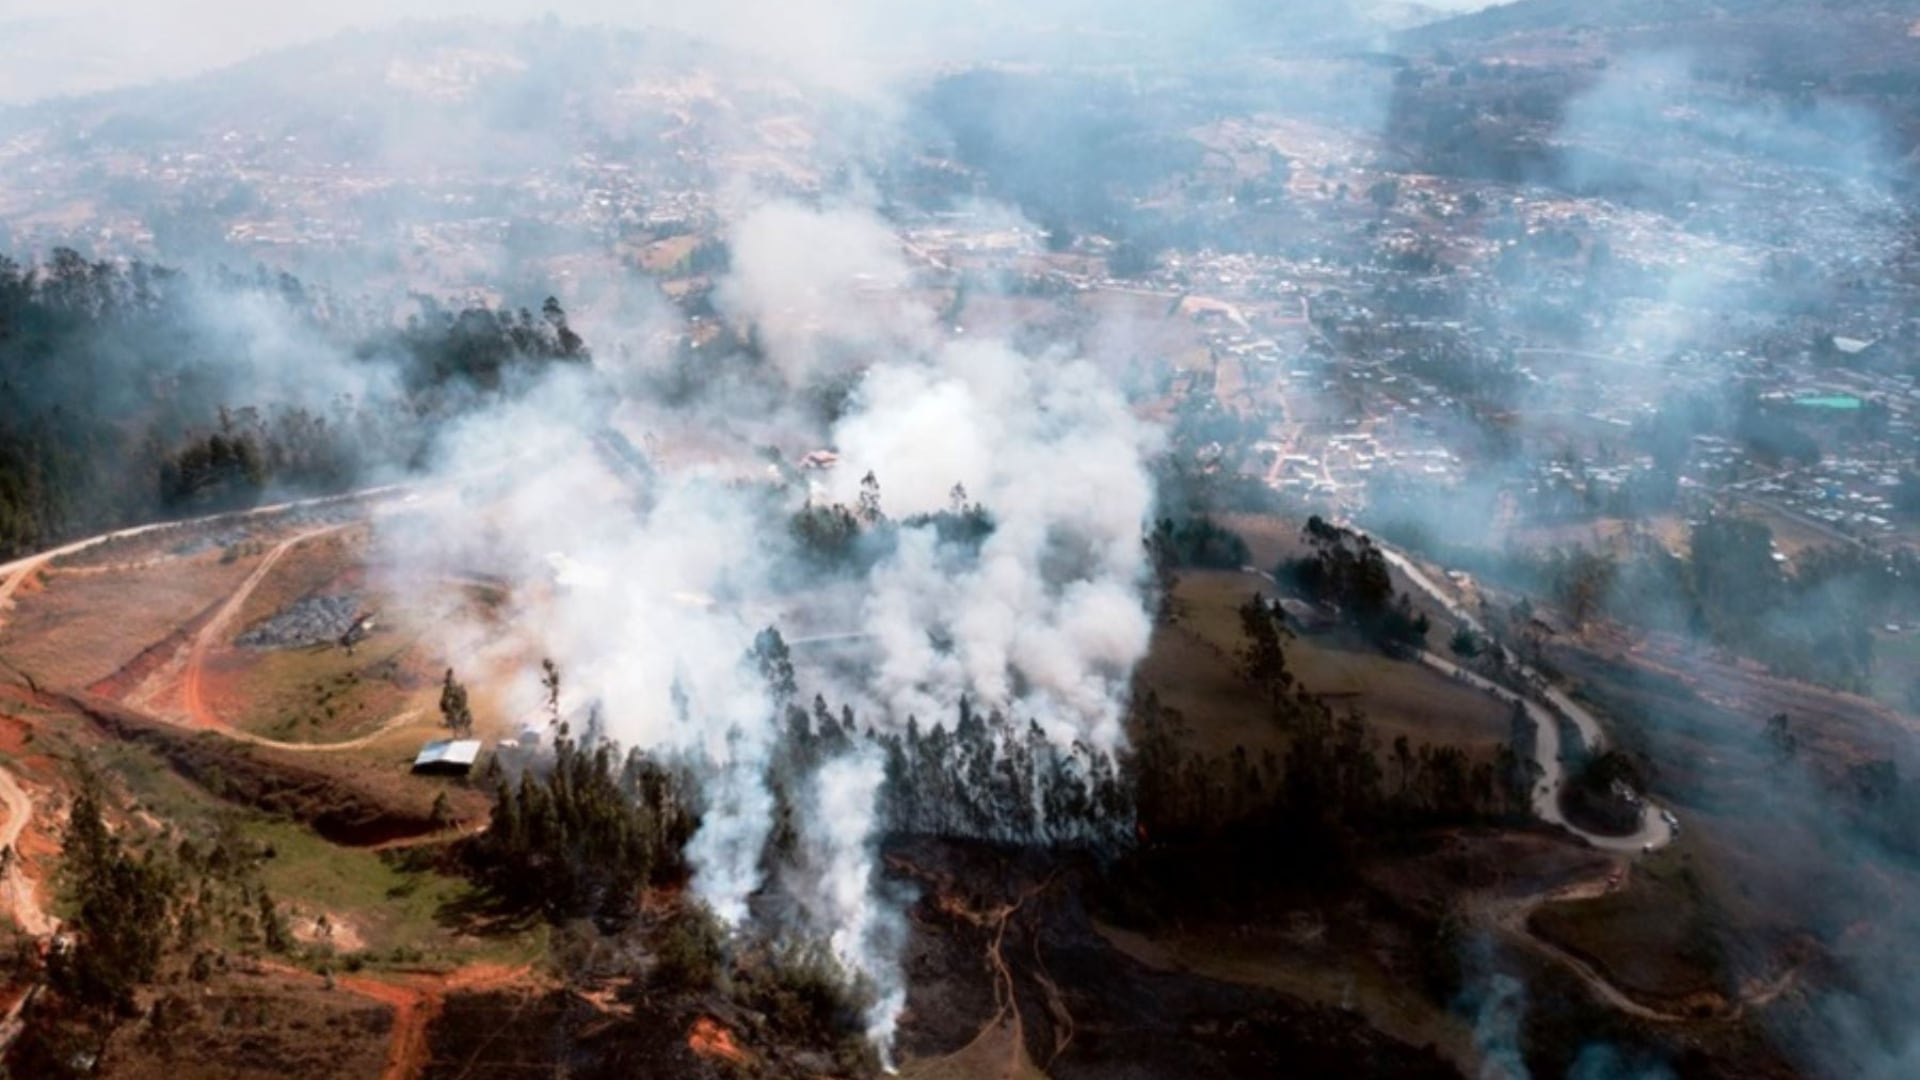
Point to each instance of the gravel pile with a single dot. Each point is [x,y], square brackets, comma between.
[313,621]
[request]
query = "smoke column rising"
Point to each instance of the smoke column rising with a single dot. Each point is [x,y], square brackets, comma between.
[656,613]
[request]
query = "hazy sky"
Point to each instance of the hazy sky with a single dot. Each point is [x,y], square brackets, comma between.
[50,47]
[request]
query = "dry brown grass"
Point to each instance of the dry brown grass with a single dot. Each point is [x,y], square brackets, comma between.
[80,628]
[1192,668]
[1301,961]
[996,1054]
[1650,939]
[1270,538]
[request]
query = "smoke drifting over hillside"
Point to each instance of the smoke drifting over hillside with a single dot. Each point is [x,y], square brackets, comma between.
[1043,621]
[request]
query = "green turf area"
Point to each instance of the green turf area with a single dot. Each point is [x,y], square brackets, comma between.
[322,694]
[402,914]
[393,907]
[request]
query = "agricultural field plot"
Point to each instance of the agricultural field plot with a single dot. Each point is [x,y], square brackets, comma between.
[1396,696]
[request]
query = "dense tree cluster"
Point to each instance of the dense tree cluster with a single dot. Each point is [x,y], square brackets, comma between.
[1594,793]
[131,392]
[837,538]
[988,779]
[455,714]
[983,779]
[143,910]
[123,907]
[1334,777]
[1346,570]
[1198,541]
[478,347]
[580,834]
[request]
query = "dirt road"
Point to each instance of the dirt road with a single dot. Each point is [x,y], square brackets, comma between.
[416,1001]
[192,696]
[192,699]
[17,892]
[1512,916]
[1653,831]
[13,573]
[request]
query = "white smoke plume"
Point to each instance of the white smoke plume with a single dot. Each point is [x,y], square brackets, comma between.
[651,606]
[837,883]
[1049,623]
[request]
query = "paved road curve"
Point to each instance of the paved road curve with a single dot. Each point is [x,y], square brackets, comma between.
[1654,832]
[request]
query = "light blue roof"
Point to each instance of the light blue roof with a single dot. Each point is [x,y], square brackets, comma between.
[448,752]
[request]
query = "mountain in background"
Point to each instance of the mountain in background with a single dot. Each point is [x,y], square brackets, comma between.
[1868,49]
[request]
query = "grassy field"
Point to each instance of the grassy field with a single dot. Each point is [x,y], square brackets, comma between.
[1300,962]
[382,905]
[255,1027]
[1192,667]
[1269,538]
[320,693]
[385,905]
[325,563]
[1766,843]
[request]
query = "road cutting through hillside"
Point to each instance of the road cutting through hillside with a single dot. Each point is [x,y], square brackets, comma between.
[1654,831]
[1513,917]
[17,571]
[21,898]
[192,699]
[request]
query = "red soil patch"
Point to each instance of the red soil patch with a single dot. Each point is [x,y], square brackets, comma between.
[13,735]
[417,1001]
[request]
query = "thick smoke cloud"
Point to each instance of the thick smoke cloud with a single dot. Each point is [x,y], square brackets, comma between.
[1053,604]
[656,595]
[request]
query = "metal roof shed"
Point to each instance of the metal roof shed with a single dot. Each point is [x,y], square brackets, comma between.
[451,756]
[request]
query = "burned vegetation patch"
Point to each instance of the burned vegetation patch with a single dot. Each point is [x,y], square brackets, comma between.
[1008,972]
[313,620]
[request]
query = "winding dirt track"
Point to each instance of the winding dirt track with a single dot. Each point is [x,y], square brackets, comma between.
[18,895]
[416,999]
[21,899]
[1511,916]
[193,701]
[192,698]
[1005,1024]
